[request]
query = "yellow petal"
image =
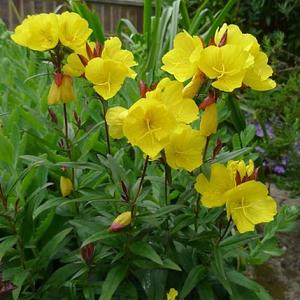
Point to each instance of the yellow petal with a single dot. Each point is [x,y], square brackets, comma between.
[148,126]
[178,60]
[209,120]
[66,186]
[107,76]
[74,31]
[38,32]
[185,148]
[74,66]
[115,117]
[213,191]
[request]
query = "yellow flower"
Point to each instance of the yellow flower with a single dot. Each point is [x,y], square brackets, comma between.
[112,50]
[61,91]
[172,294]
[185,148]
[209,120]
[239,167]
[148,125]
[170,93]
[122,220]
[115,118]
[182,60]
[234,36]
[107,76]
[226,64]
[249,204]
[38,32]
[74,66]
[257,76]
[66,186]
[74,31]
[212,191]
[193,87]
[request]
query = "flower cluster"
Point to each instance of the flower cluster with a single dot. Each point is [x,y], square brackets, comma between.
[106,67]
[161,121]
[247,200]
[231,60]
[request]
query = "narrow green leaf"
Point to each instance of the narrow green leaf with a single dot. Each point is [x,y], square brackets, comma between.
[113,279]
[18,280]
[219,19]
[194,277]
[98,236]
[143,249]
[6,244]
[242,280]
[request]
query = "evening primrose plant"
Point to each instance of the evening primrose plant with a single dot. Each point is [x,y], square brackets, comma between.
[133,189]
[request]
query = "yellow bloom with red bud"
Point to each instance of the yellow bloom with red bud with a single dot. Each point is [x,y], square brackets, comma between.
[115,117]
[234,36]
[122,220]
[184,151]
[227,65]
[257,75]
[61,90]
[73,31]
[148,125]
[112,50]
[66,186]
[172,294]
[107,76]
[74,66]
[247,201]
[181,61]
[249,204]
[38,32]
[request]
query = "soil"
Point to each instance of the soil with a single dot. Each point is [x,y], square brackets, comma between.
[281,275]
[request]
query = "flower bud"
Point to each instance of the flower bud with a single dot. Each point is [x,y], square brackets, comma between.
[87,253]
[209,120]
[121,221]
[66,186]
[61,90]
[193,87]
[172,294]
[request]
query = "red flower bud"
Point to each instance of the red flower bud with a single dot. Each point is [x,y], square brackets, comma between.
[87,253]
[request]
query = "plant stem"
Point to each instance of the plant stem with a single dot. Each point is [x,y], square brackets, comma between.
[166,185]
[197,214]
[206,147]
[139,187]
[106,125]
[225,231]
[68,146]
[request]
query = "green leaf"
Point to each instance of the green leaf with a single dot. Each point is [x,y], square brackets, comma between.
[6,150]
[219,20]
[90,142]
[6,244]
[113,279]
[248,135]
[18,281]
[51,248]
[226,156]
[205,291]
[98,236]
[194,277]
[143,249]
[242,280]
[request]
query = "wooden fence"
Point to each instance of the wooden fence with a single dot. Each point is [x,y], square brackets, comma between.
[109,11]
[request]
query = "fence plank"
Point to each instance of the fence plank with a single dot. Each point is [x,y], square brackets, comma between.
[109,11]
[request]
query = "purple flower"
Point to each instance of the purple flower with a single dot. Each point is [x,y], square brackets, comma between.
[259,131]
[278,169]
